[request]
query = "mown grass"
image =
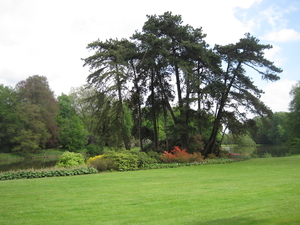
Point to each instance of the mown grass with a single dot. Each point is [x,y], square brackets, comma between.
[257,191]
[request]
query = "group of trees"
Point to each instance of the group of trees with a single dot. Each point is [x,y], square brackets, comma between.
[282,128]
[31,118]
[163,86]
[167,71]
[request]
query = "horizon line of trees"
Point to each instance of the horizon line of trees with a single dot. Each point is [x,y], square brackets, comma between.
[164,86]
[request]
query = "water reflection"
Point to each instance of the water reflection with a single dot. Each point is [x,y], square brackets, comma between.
[275,151]
[27,164]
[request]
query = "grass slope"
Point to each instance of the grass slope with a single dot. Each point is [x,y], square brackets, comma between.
[257,191]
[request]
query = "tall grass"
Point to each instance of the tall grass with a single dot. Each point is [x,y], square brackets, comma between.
[257,191]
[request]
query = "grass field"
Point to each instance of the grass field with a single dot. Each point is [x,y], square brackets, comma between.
[257,191]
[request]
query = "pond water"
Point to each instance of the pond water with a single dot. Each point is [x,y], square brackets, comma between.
[275,151]
[26,164]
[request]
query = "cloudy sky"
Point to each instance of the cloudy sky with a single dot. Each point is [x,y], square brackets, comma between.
[49,37]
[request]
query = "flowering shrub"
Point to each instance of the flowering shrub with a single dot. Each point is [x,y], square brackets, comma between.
[120,161]
[100,163]
[92,159]
[180,156]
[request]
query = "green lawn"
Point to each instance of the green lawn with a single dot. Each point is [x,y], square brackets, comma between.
[257,191]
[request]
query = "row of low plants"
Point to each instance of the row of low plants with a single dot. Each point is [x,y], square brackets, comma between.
[122,161]
[55,172]
[135,160]
[69,164]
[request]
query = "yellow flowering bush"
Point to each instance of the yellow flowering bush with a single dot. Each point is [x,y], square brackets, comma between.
[93,159]
[100,163]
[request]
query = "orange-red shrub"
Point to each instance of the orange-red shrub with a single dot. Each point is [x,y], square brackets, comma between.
[180,156]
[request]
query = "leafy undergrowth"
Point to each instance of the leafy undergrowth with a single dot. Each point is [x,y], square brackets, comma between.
[180,158]
[53,172]
[232,158]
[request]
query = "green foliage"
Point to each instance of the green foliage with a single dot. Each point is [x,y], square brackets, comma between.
[72,135]
[28,115]
[32,134]
[100,163]
[271,130]
[70,159]
[119,161]
[94,150]
[39,109]
[293,124]
[47,173]
[240,140]
[245,140]
[8,118]
[143,158]
[27,141]
[109,65]
[122,161]
[154,155]
[267,155]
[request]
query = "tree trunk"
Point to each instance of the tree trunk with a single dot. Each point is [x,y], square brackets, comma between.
[139,107]
[121,111]
[211,143]
[155,136]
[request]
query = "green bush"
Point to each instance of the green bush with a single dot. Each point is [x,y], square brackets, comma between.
[143,158]
[47,173]
[154,155]
[70,159]
[102,164]
[267,155]
[122,161]
[94,150]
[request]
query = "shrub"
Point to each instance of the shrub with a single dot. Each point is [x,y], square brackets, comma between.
[29,174]
[154,155]
[100,163]
[70,159]
[122,161]
[94,150]
[196,157]
[180,156]
[143,158]
[93,159]
[267,155]
[211,156]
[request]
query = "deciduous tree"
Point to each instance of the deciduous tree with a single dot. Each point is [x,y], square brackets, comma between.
[35,90]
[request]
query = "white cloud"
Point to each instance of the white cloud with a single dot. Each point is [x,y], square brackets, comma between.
[277,95]
[49,37]
[276,15]
[274,55]
[283,35]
